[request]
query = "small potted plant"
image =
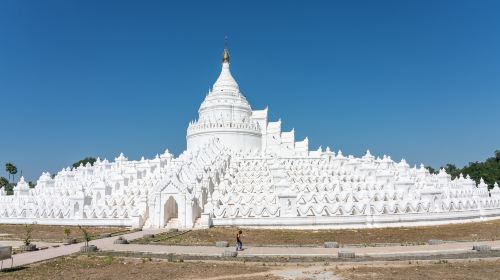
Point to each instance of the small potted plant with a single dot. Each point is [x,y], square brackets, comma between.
[27,245]
[68,240]
[86,237]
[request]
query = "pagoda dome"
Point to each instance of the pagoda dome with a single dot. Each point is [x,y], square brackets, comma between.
[225,114]
[225,102]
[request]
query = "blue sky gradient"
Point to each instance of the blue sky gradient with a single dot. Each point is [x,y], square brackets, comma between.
[418,80]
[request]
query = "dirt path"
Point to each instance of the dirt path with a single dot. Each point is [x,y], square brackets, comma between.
[50,253]
[315,272]
[392,251]
[246,275]
[355,270]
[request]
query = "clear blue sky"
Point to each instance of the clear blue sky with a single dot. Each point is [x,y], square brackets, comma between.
[413,79]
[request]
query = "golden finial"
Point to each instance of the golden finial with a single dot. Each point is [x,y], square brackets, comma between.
[225,56]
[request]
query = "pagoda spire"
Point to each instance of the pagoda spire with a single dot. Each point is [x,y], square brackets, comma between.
[225,55]
[225,79]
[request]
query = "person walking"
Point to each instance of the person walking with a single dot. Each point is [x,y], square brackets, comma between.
[239,244]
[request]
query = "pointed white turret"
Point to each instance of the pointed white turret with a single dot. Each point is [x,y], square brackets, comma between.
[482,184]
[21,188]
[225,114]
[495,191]
[225,81]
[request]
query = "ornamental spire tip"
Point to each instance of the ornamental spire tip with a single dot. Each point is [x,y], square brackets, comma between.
[225,55]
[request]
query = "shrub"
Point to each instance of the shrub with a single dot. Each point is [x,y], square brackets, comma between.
[67,232]
[86,235]
[28,228]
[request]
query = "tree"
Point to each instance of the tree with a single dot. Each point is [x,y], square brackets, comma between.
[452,170]
[31,184]
[431,170]
[67,232]
[84,161]
[9,189]
[489,170]
[27,234]
[86,235]
[3,182]
[11,169]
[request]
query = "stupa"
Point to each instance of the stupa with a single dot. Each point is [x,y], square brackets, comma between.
[241,169]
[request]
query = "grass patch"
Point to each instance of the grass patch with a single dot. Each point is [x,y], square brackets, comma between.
[48,233]
[477,231]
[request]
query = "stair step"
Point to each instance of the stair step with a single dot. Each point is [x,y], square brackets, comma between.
[173,223]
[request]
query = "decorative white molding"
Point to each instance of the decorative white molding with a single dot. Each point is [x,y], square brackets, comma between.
[240,169]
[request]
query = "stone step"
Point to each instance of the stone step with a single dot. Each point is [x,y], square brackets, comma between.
[173,223]
[147,223]
[197,223]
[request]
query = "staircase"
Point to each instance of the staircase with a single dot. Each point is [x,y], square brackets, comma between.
[197,223]
[147,223]
[172,223]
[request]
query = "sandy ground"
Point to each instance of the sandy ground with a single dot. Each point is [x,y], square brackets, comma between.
[109,268]
[407,236]
[52,234]
[414,270]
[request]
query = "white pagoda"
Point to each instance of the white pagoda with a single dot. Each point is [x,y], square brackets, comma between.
[240,169]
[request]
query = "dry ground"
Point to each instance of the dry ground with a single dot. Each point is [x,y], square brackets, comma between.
[440,270]
[108,268]
[410,235]
[52,233]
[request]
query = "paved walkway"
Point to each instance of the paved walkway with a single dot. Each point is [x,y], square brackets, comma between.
[447,248]
[50,253]
[19,243]
[106,244]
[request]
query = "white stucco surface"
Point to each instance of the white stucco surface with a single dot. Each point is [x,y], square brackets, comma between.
[241,169]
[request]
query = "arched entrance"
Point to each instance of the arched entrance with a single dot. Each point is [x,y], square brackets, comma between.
[76,209]
[170,211]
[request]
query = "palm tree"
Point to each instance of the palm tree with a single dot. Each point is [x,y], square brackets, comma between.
[8,168]
[11,169]
[14,172]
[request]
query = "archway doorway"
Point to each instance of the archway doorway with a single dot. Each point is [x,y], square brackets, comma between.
[170,211]
[76,209]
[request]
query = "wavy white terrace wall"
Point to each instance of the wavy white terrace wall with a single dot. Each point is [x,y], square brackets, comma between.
[216,185]
[337,192]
